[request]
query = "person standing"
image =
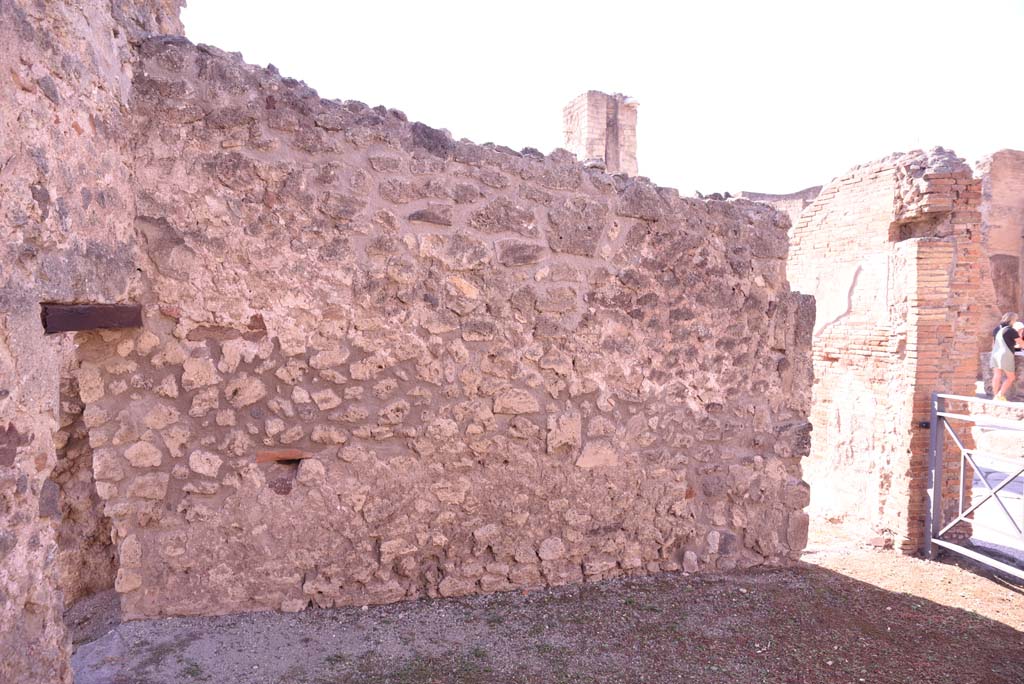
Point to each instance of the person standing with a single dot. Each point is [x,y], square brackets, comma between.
[1003,362]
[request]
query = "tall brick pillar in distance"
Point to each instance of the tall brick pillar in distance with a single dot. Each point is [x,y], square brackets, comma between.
[602,127]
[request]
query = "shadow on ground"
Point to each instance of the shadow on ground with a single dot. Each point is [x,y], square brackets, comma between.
[803,624]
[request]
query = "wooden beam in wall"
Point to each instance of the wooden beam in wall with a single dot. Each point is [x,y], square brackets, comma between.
[69,317]
[273,455]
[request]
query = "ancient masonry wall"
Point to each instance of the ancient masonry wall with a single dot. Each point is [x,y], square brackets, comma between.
[66,215]
[1002,216]
[893,252]
[476,369]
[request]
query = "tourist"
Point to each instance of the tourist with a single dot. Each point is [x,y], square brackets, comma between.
[1003,362]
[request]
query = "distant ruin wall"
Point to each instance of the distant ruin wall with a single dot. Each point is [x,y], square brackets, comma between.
[494,370]
[893,253]
[791,204]
[66,216]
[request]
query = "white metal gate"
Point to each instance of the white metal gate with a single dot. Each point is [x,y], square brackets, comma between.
[1009,471]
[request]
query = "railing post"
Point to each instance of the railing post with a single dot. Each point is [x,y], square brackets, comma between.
[933,514]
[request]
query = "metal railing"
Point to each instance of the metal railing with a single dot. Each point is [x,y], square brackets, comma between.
[1012,468]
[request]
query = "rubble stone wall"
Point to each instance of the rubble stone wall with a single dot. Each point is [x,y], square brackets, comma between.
[894,254]
[66,216]
[482,369]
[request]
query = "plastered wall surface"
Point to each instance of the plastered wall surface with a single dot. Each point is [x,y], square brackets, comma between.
[894,253]
[1002,212]
[498,370]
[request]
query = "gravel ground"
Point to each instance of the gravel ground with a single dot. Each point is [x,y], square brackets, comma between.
[844,615]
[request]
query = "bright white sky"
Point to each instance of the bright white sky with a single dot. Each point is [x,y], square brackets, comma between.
[762,95]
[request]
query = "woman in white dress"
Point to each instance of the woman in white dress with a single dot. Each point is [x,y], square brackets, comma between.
[1004,369]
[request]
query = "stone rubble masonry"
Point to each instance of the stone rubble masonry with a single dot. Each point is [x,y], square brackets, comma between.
[66,221]
[600,129]
[894,254]
[505,370]
[499,369]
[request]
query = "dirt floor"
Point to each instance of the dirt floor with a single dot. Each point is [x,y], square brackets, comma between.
[846,614]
